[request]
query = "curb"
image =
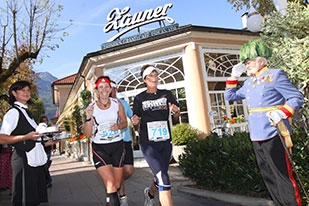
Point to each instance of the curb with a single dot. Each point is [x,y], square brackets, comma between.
[237,199]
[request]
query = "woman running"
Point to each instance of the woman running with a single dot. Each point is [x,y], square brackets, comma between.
[104,120]
[151,110]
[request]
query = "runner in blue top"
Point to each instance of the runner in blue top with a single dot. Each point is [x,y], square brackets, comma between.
[128,167]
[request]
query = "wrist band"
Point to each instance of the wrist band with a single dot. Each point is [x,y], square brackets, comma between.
[172,112]
[87,120]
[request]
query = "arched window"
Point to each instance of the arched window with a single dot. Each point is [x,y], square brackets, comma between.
[218,64]
[171,77]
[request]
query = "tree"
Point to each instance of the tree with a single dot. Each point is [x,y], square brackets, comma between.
[37,107]
[77,118]
[30,23]
[262,6]
[23,72]
[288,36]
[85,100]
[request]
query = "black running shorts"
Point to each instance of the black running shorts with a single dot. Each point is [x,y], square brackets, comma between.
[108,154]
[128,159]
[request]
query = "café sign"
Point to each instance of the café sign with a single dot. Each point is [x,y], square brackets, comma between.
[137,37]
[121,19]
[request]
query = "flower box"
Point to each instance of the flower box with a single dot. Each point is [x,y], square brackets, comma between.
[236,125]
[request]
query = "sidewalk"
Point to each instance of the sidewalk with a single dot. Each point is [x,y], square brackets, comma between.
[77,183]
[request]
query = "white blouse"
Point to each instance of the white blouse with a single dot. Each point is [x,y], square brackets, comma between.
[35,157]
[11,118]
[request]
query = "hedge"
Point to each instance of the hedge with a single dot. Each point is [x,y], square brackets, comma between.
[228,164]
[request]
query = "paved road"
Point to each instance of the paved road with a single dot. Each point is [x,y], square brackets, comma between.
[78,184]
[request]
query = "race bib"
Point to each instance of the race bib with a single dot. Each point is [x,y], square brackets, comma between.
[105,133]
[158,131]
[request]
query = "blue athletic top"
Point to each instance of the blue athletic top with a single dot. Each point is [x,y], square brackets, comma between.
[129,113]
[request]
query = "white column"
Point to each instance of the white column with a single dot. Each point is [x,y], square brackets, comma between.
[195,90]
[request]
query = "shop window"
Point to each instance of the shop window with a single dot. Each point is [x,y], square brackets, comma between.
[218,67]
[180,95]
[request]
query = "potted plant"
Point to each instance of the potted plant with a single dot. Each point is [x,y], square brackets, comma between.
[236,124]
[182,134]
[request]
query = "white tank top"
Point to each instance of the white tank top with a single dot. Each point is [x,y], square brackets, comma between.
[103,120]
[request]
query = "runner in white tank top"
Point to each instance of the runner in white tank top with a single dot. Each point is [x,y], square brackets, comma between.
[104,120]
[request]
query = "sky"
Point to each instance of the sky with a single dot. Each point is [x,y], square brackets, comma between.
[89,18]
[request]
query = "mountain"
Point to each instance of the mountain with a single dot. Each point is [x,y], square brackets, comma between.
[43,82]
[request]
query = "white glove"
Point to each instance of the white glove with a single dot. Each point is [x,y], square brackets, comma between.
[275,116]
[238,69]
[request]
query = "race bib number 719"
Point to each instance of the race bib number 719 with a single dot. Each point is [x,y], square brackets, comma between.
[158,131]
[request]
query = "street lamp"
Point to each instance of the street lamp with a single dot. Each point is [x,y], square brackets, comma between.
[255,20]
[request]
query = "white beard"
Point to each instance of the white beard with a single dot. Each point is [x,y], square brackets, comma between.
[254,70]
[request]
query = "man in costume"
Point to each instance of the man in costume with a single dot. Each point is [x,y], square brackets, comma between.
[271,97]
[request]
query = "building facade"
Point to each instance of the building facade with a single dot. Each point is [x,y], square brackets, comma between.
[195,62]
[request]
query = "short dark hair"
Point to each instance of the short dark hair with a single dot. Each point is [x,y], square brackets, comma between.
[43,118]
[18,86]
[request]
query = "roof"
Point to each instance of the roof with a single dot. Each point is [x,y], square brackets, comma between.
[180,30]
[66,80]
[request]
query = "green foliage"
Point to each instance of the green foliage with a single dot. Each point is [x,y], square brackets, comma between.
[300,155]
[23,72]
[229,164]
[86,100]
[183,134]
[37,29]
[226,163]
[37,108]
[77,118]
[288,36]
[66,124]
[262,6]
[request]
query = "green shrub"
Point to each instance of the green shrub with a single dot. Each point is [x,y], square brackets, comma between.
[229,164]
[225,164]
[300,155]
[183,134]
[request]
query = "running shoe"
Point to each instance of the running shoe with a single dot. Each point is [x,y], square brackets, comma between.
[148,200]
[124,201]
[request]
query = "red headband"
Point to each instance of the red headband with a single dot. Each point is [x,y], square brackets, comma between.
[103,80]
